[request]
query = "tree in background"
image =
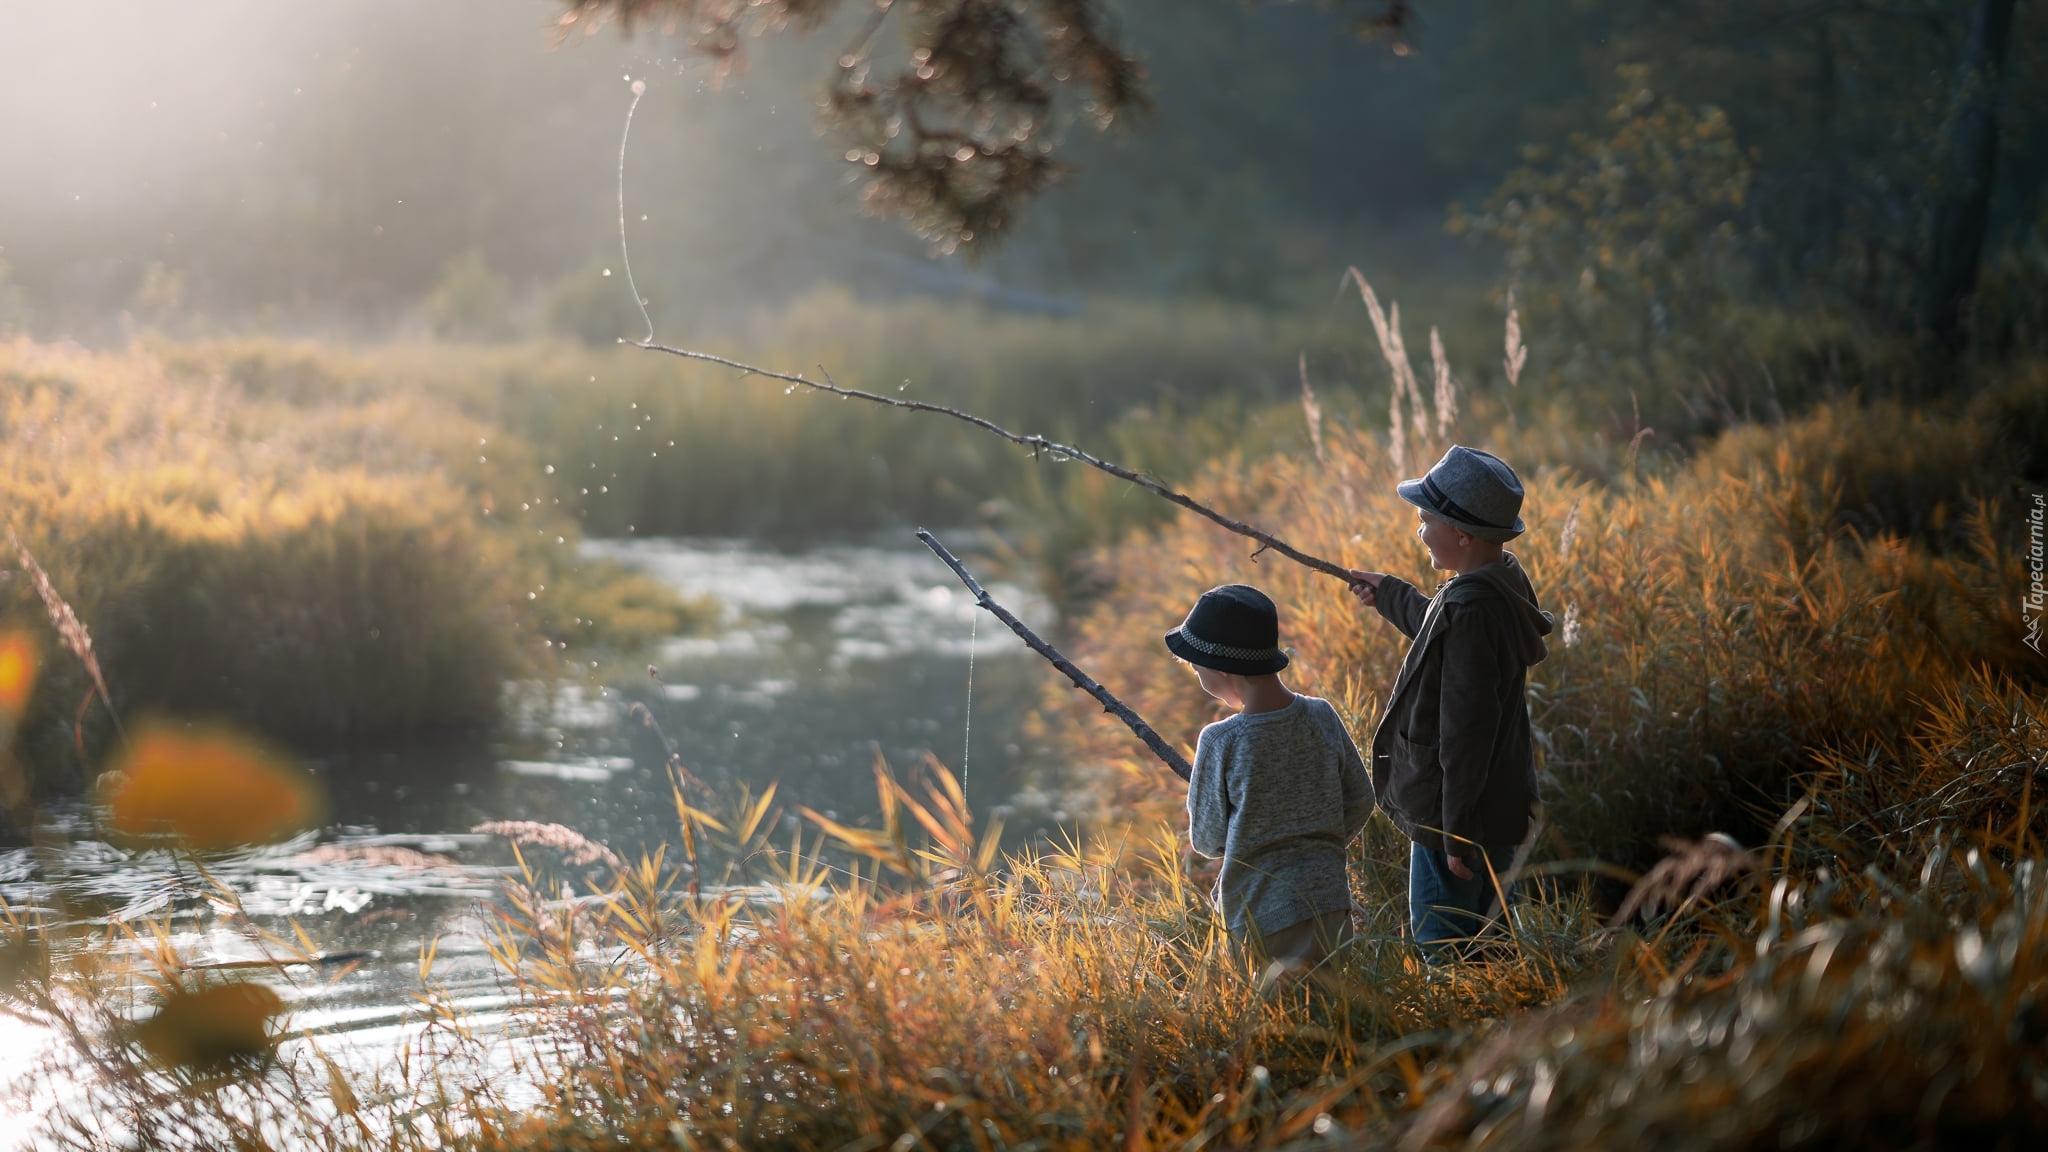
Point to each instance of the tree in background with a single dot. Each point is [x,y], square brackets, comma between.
[1960,218]
[955,122]
[471,302]
[1895,145]
[1628,249]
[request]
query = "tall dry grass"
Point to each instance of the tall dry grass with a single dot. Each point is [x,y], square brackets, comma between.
[1719,619]
[909,989]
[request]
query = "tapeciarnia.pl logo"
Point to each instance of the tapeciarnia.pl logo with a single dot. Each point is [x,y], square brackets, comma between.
[2035,606]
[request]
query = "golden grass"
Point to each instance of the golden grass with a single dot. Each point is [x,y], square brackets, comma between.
[1719,619]
[209,790]
[921,992]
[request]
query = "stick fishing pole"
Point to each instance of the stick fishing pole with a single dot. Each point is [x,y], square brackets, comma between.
[1037,444]
[1110,704]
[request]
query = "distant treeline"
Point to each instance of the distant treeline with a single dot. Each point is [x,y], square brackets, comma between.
[448,171]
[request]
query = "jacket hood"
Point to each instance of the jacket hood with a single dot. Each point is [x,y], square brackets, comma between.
[1507,577]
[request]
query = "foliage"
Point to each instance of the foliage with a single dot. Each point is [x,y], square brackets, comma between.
[2010,315]
[675,447]
[14,310]
[955,134]
[205,790]
[270,535]
[1627,250]
[593,307]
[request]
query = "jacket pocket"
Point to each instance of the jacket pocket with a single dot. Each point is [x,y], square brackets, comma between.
[1415,782]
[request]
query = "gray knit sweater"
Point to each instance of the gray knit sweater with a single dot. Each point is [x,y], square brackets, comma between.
[1278,795]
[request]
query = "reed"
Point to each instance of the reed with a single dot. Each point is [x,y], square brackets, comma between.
[904,986]
[1787,589]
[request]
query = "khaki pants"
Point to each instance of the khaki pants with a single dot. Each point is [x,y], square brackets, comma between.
[1303,945]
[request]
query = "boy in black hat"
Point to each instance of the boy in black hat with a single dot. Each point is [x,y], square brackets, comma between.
[1452,762]
[1278,790]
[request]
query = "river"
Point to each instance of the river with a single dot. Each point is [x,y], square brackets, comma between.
[820,659]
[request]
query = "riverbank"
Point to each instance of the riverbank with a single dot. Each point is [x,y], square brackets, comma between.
[951,997]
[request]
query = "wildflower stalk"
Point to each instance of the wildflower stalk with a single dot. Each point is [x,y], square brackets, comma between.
[71,630]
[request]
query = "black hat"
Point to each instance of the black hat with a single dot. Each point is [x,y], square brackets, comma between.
[1234,628]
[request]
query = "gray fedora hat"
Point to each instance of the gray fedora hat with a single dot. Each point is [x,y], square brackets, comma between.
[1476,491]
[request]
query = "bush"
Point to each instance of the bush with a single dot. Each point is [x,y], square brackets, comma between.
[346,608]
[273,535]
[594,307]
[470,302]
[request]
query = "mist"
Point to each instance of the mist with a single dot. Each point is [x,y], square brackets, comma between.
[318,168]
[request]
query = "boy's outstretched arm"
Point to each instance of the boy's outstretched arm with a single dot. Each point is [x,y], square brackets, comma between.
[1393,597]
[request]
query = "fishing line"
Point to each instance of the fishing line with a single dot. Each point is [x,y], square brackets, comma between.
[967,739]
[626,260]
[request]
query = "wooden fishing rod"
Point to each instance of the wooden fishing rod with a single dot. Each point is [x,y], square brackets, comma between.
[1037,444]
[1110,704]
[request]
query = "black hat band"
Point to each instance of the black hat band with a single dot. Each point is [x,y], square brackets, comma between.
[1452,509]
[1224,650]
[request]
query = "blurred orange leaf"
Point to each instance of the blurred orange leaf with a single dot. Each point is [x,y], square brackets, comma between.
[222,1023]
[211,788]
[20,658]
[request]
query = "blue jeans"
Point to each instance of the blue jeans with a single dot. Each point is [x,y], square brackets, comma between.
[1444,911]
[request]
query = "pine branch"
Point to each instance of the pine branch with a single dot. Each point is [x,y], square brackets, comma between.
[1110,703]
[1037,444]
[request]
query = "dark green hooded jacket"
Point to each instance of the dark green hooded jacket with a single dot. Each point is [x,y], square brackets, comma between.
[1453,752]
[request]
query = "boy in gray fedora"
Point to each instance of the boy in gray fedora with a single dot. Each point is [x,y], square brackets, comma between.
[1277,791]
[1452,762]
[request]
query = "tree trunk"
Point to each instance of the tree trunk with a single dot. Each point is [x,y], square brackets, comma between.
[1962,201]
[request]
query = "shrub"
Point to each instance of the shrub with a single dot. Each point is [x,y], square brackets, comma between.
[346,608]
[278,536]
[471,302]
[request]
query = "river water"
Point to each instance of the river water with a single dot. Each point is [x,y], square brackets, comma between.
[819,660]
